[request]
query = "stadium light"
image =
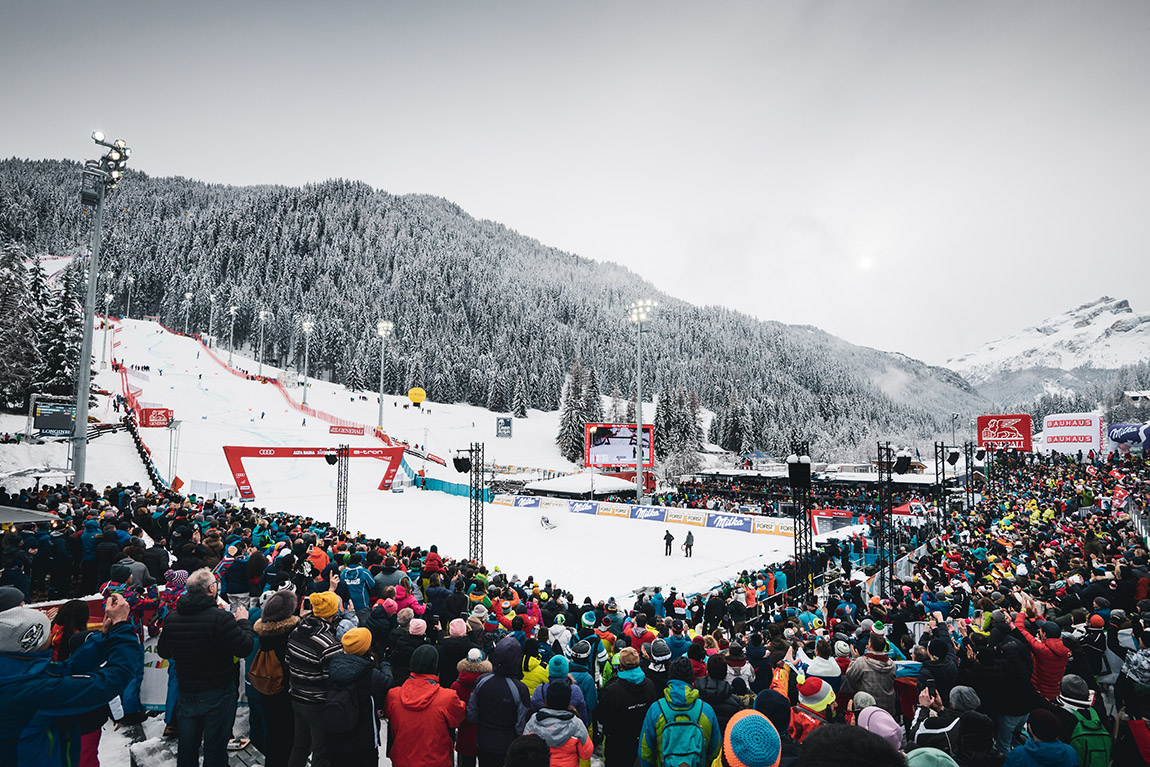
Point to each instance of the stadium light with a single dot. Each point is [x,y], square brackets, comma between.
[638,313]
[187,310]
[307,326]
[383,329]
[232,334]
[97,179]
[104,343]
[263,315]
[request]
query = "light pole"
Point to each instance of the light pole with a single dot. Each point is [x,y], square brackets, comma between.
[187,310]
[264,314]
[307,326]
[953,423]
[99,177]
[638,314]
[131,282]
[232,334]
[212,318]
[383,329]
[104,343]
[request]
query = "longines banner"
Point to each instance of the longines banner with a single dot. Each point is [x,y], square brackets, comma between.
[1067,433]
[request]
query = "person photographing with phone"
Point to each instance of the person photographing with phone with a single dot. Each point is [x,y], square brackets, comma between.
[39,699]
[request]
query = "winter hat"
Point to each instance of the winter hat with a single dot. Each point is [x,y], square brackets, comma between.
[735,652]
[417,627]
[558,695]
[23,629]
[324,604]
[457,628]
[390,607]
[581,650]
[120,574]
[660,652]
[863,699]
[479,611]
[1044,725]
[815,694]
[1075,692]
[588,619]
[10,597]
[750,741]
[605,623]
[939,647]
[1051,629]
[558,667]
[929,757]
[876,720]
[774,706]
[629,658]
[176,579]
[963,698]
[475,655]
[356,641]
[842,649]
[425,660]
[1097,622]
[279,607]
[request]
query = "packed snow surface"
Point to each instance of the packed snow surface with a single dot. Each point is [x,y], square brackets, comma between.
[590,555]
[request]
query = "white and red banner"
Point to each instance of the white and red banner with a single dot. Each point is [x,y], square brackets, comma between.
[357,430]
[155,417]
[235,456]
[1067,433]
[1005,431]
[1118,498]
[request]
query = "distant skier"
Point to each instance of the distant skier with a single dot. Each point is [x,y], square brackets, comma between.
[668,539]
[689,543]
[546,523]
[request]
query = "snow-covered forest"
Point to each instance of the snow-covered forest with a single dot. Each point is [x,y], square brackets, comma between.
[482,314]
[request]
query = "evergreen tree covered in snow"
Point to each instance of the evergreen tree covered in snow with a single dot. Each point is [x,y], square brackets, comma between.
[571,420]
[592,401]
[519,399]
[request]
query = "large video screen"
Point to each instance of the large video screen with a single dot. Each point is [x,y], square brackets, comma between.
[54,420]
[614,444]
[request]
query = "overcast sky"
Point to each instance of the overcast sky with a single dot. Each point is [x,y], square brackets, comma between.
[913,176]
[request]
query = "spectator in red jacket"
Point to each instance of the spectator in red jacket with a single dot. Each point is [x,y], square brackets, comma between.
[421,714]
[432,563]
[638,632]
[1050,654]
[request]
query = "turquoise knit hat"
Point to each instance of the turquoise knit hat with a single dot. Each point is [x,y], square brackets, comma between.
[751,741]
[558,667]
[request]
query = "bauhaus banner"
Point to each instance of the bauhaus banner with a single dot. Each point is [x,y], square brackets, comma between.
[1067,433]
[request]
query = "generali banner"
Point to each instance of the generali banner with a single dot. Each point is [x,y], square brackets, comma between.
[1005,431]
[1068,433]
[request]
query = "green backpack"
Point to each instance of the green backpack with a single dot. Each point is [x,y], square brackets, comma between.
[1090,740]
[682,743]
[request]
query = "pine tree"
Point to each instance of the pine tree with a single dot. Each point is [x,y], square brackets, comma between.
[629,416]
[592,401]
[519,399]
[355,377]
[616,413]
[571,422]
[60,346]
[664,440]
[19,328]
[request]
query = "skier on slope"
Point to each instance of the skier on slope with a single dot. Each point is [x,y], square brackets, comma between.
[546,523]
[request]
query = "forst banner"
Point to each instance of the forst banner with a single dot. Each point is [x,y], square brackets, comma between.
[1005,431]
[1069,433]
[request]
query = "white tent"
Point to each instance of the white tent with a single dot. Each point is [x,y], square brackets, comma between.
[581,484]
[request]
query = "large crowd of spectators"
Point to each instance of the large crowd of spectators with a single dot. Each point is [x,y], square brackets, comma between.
[1017,639]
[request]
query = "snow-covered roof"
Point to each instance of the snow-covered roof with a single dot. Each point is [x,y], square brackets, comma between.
[582,483]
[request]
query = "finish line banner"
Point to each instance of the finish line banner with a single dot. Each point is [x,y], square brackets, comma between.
[236,454]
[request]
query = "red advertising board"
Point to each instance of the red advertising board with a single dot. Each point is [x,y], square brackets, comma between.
[357,430]
[613,444]
[155,416]
[235,456]
[1005,431]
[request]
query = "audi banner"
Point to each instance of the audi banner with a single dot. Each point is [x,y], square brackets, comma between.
[1069,433]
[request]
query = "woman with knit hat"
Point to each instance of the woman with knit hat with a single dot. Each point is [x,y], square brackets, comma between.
[452,649]
[355,689]
[310,646]
[276,622]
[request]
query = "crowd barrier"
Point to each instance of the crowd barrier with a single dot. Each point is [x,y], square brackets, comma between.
[665,514]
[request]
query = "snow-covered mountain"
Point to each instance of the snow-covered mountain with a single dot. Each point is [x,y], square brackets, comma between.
[1063,353]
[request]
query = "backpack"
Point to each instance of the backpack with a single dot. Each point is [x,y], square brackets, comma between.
[683,743]
[1090,740]
[341,711]
[267,673]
